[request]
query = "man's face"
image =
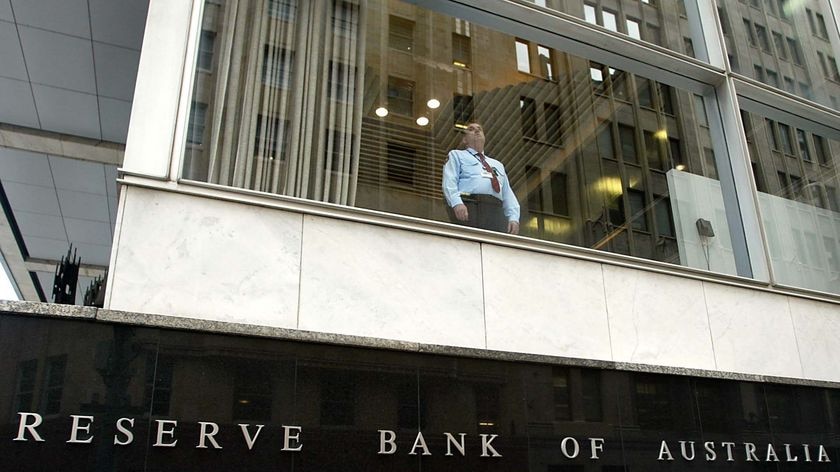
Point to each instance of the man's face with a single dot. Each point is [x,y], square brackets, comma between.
[474,136]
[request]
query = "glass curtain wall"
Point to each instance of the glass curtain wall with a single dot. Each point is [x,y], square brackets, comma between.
[790,45]
[359,103]
[795,173]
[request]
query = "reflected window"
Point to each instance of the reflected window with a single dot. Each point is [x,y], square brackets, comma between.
[562,396]
[158,384]
[528,117]
[401,34]
[523,61]
[205,50]
[338,399]
[25,388]
[461,50]
[462,107]
[55,370]
[401,96]
[546,68]
[401,160]
[252,392]
[198,116]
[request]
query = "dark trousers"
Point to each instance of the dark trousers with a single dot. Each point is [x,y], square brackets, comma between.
[485,212]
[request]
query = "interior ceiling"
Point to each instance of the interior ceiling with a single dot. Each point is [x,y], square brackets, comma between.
[68,67]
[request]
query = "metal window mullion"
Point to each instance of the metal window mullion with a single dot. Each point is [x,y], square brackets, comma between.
[738,187]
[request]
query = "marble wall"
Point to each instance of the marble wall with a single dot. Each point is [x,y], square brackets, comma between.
[202,258]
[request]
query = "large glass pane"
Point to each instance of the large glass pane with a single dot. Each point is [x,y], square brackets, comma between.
[588,154]
[798,197]
[640,19]
[786,44]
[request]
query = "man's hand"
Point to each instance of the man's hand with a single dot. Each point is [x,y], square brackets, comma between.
[513,227]
[461,212]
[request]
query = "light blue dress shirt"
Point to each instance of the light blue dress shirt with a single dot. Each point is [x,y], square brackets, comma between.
[463,173]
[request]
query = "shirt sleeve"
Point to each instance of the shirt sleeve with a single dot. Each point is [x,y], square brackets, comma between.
[451,170]
[510,204]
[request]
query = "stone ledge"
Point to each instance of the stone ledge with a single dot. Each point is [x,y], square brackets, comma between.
[149,320]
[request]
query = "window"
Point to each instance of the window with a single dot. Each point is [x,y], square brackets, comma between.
[54,384]
[553,123]
[822,31]
[605,142]
[252,392]
[589,14]
[276,67]
[523,62]
[821,150]
[634,28]
[338,399]
[546,68]
[401,163]
[590,381]
[790,86]
[772,78]
[654,34]
[461,50]
[763,39]
[823,65]
[205,50]
[462,106]
[344,19]
[535,197]
[759,73]
[644,92]
[833,72]
[676,153]
[688,45]
[774,134]
[25,389]
[779,41]
[803,145]
[627,136]
[283,9]
[401,34]
[637,217]
[652,152]
[750,33]
[528,117]
[158,383]
[664,217]
[559,199]
[610,21]
[811,24]
[339,81]
[795,52]
[562,394]
[784,134]
[401,96]
[666,104]
[269,133]
[198,116]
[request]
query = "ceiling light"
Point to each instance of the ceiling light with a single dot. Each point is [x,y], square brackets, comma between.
[680,166]
[433,103]
[422,121]
[381,112]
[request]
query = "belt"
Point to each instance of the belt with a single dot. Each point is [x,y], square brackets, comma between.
[481,198]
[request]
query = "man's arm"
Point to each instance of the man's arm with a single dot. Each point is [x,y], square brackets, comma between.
[510,205]
[451,171]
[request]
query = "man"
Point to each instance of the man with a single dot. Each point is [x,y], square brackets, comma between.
[476,187]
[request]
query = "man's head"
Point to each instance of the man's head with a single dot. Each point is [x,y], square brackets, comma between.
[474,137]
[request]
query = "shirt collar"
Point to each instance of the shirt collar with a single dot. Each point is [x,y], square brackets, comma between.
[474,152]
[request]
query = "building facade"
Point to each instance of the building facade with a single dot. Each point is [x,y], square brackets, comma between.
[282,254]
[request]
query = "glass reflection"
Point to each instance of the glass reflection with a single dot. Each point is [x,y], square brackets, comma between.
[785,44]
[594,156]
[795,172]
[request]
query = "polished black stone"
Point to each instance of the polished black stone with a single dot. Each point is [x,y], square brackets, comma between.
[335,402]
